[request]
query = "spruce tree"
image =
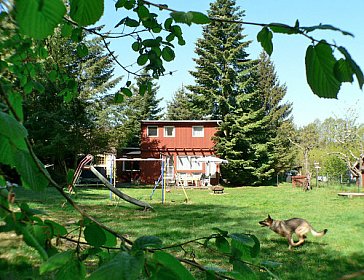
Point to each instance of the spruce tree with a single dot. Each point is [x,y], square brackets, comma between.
[278,112]
[226,89]
[179,108]
[221,55]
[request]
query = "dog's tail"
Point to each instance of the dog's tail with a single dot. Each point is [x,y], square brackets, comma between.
[318,234]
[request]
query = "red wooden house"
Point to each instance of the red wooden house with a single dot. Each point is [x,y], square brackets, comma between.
[181,144]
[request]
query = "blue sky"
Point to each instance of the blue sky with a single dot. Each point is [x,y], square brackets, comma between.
[288,55]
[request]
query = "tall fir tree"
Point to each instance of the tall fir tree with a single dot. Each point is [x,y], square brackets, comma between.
[179,108]
[280,126]
[221,55]
[226,89]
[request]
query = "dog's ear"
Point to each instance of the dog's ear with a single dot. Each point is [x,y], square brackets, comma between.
[269,217]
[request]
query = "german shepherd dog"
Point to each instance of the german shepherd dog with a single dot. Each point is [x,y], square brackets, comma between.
[286,228]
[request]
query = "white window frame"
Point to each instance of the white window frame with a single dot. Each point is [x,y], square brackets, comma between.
[194,132]
[148,131]
[173,131]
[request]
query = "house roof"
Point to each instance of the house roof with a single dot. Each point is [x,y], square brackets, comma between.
[179,121]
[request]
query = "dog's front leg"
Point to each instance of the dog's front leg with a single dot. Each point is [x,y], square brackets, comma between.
[290,242]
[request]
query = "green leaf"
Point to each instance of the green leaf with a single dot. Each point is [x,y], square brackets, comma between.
[52,75]
[13,130]
[66,30]
[58,230]
[283,28]
[28,88]
[118,98]
[320,63]
[222,244]
[167,23]
[190,17]
[142,59]
[95,235]
[157,29]
[168,54]
[126,92]
[144,242]
[120,4]
[343,71]
[182,17]
[82,50]
[177,31]
[76,35]
[199,18]
[255,250]
[170,37]
[86,12]
[38,18]
[129,4]
[325,27]
[3,65]
[241,246]
[123,267]
[42,52]
[16,101]
[222,232]
[31,177]
[110,239]
[170,262]
[136,46]
[56,261]
[356,69]
[244,239]
[244,270]
[142,89]
[265,38]
[31,240]
[143,12]
[39,87]
[74,270]
[2,181]
[181,42]
[6,152]
[151,43]
[131,22]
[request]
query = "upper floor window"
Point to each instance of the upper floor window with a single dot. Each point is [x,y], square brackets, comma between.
[152,131]
[197,131]
[169,131]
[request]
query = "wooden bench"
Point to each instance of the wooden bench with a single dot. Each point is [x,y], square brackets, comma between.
[218,189]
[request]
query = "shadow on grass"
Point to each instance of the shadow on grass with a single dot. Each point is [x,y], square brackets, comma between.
[19,270]
[179,222]
[313,260]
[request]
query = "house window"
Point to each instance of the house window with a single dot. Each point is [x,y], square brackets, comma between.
[197,131]
[131,166]
[188,163]
[152,131]
[169,131]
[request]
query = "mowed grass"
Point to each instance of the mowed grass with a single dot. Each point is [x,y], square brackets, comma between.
[238,210]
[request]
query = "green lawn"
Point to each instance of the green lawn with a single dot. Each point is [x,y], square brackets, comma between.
[238,210]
